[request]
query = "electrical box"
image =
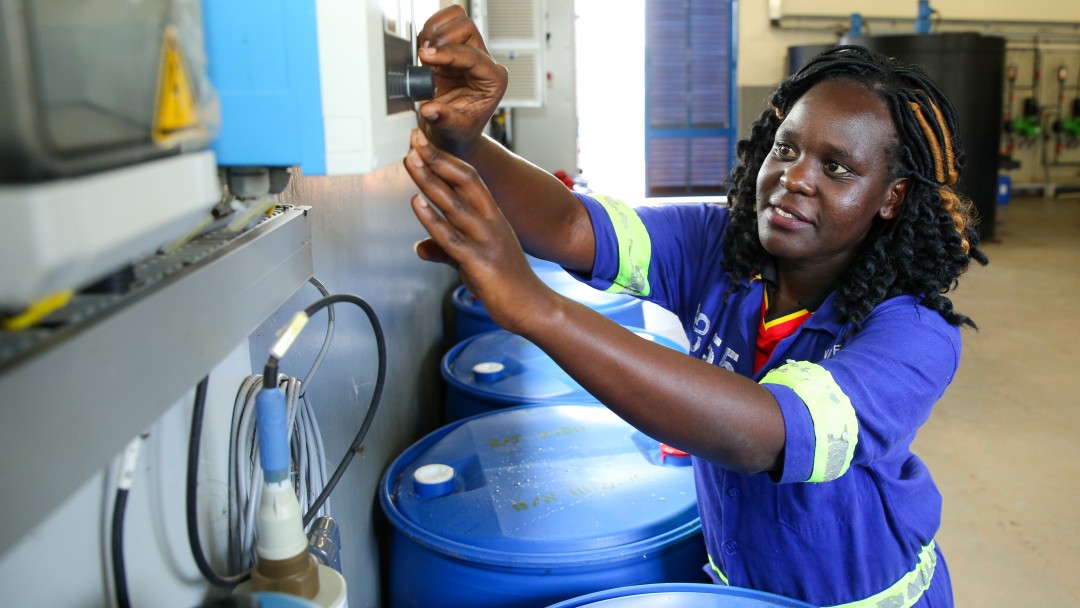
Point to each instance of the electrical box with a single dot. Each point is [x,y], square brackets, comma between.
[105,118]
[93,85]
[311,83]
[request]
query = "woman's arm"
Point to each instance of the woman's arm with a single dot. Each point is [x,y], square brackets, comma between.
[469,84]
[701,408]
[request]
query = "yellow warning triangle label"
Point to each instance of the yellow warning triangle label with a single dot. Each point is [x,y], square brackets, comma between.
[175,109]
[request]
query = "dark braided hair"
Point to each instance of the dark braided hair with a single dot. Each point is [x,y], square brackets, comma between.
[925,248]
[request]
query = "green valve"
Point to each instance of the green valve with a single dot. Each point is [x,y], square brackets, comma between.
[1028,126]
[1071,126]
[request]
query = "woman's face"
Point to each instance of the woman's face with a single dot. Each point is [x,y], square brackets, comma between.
[827,177]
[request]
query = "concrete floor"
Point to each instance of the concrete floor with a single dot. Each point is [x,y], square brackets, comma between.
[1004,442]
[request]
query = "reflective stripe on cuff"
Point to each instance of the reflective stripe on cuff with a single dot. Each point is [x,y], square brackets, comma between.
[635,248]
[836,428]
[906,591]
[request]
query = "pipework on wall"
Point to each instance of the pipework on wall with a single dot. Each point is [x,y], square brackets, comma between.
[1041,119]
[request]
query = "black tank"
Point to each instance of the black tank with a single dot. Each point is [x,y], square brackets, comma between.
[970,69]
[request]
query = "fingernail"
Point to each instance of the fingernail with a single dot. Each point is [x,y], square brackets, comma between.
[414,158]
[426,50]
[431,115]
[416,246]
[421,139]
[421,201]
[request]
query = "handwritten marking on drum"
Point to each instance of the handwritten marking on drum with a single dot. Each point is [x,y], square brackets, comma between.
[575,491]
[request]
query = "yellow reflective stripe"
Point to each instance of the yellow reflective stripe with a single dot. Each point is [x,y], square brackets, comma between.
[906,591]
[712,564]
[836,428]
[635,248]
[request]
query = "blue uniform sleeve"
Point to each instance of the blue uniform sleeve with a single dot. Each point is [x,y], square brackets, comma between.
[663,254]
[859,404]
[863,405]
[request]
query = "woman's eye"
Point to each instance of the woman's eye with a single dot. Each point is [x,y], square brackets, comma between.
[784,151]
[835,168]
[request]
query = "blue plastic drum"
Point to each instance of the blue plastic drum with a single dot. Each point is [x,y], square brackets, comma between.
[681,595]
[472,318]
[498,369]
[533,505]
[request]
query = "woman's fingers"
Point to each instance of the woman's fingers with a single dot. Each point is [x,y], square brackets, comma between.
[444,246]
[457,209]
[461,60]
[445,207]
[469,233]
[450,26]
[430,251]
[468,82]
[450,184]
[431,185]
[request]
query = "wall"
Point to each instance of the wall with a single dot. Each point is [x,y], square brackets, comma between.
[363,232]
[1030,10]
[64,560]
[547,135]
[1042,166]
[1052,26]
[762,47]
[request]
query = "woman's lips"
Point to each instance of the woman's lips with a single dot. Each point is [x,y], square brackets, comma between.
[785,218]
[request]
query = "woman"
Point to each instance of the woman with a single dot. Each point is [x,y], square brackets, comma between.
[819,330]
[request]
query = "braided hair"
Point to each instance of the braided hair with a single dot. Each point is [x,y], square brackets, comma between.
[924,249]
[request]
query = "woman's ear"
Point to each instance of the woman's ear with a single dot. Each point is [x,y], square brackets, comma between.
[897,194]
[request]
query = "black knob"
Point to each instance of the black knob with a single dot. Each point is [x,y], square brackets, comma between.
[419,82]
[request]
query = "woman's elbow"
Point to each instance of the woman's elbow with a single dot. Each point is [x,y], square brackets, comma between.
[750,460]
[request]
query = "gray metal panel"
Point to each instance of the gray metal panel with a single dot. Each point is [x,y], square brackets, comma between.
[68,410]
[363,231]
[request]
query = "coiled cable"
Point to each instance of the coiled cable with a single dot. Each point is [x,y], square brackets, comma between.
[190,503]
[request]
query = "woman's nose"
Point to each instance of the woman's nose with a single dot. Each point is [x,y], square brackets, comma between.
[798,177]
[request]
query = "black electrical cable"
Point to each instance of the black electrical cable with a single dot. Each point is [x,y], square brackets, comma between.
[118,569]
[376,395]
[380,382]
[192,484]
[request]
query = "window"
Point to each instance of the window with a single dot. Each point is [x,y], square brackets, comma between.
[689,96]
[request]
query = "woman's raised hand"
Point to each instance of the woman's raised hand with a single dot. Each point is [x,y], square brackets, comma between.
[469,233]
[468,82]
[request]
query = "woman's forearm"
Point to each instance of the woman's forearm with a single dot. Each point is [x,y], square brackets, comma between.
[548,219]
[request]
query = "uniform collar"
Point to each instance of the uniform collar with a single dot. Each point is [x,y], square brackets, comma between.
[813,302]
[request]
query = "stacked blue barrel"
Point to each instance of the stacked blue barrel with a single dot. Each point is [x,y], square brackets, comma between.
[472,319]
[681,595]
[528,506]
[534,493]
[498,369]
[491,368]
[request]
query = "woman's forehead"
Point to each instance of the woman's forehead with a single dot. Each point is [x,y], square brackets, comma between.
[844,93]
[843,110]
